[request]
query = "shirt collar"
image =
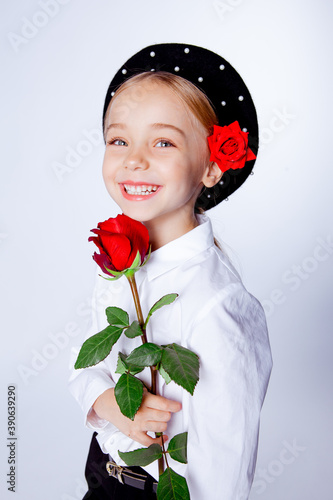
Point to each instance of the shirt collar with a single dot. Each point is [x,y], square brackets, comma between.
[180,250]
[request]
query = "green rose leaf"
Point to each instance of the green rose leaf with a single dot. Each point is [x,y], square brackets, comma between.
[182,365]
[142,456]
[134,330]
[178,448]
[165,300]
[123,367]
[128,392]
[97,347]
[164,374]
[148,354]
[117,317]
[172,486]
[121,364]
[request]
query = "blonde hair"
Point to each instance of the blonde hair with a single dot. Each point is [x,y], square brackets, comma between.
[195,100]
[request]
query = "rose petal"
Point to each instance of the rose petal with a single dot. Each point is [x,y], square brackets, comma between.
[250,155]
[139,242]
[97,242]
[234,126]
[118,249]
[103,261]
[137,233]
[109,225]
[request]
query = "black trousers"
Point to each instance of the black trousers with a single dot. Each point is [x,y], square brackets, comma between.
[104,487]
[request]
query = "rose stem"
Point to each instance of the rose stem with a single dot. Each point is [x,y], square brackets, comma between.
[153,370]
[137,304]
[164,455]
[139,314]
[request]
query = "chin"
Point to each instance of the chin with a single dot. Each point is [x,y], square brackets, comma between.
[134,214]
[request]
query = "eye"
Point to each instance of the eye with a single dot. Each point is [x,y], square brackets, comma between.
[162,143]
[117,142]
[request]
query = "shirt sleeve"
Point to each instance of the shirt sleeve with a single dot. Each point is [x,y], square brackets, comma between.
[230,336]
[87,384]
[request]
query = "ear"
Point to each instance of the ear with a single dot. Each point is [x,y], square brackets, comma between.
[212,175]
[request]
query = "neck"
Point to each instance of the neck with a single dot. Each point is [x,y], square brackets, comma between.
[165,228]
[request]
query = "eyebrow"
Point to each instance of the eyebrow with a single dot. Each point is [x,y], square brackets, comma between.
[156,126]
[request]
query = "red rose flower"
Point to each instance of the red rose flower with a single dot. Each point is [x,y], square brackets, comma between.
[229,147]
[124,246]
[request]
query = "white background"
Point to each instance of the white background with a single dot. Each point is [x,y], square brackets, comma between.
[54,80]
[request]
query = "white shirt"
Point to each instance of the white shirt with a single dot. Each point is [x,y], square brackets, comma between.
[219,320]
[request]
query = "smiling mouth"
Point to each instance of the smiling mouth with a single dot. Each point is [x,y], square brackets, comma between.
[140,190]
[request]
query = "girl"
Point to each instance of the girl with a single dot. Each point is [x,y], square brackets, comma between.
[161,170]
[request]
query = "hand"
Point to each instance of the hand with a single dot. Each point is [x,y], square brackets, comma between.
[153,415]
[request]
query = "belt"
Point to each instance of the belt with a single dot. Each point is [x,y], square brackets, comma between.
[129,477]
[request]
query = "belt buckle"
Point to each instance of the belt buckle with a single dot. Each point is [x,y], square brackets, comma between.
[115,470]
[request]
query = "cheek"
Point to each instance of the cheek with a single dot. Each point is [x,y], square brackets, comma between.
[108,164]
[104,167]
[202,152]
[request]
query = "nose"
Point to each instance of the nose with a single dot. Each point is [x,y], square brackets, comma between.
[136,160]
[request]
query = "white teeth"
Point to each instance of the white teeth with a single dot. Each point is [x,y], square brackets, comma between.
[143,190]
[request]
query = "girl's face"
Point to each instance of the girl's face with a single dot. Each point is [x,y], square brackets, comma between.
[156,159]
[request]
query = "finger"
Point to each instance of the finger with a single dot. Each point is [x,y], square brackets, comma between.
[157,415]
[155,426]
[161,403]
[146,440]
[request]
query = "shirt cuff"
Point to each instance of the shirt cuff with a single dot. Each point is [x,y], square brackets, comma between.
[94,389]
[86,386]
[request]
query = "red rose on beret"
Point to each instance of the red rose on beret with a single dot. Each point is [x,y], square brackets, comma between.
[124,246]
[229,147]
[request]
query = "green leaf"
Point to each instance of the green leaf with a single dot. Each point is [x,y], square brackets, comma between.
[116,274]
[182,365]
[109,279]
[117,316]
[164,301]
[164,374]
[136,265]
[172,486]
[128,392]
[148,354]
[178,448]
[142,456]
[134,330]
[136,262]
[97,347]
[123,367]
